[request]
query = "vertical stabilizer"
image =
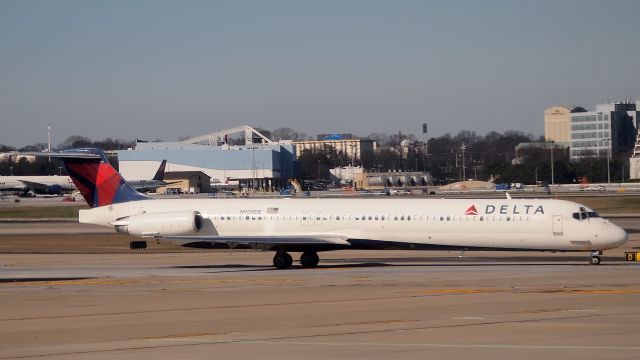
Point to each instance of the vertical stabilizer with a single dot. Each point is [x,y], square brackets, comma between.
[159,176]
[98,182]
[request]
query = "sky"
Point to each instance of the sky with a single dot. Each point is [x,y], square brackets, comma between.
[154,69]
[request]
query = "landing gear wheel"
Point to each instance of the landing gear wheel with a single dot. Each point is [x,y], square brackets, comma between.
[595,260]
[137,245]
[309,259]
[282,260]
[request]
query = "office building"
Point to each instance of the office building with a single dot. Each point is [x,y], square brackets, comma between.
[607,131]
[557,123]
[356,149]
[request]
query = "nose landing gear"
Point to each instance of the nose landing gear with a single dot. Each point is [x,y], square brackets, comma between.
[595,257]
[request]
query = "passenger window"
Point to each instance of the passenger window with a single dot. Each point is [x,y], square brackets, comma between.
[376,217]
[337,217]
[481,218]
[448,218]
[382,217]
[408,217]
[370,218]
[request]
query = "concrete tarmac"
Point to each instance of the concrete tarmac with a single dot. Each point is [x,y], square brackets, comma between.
[78,299]
[357,304]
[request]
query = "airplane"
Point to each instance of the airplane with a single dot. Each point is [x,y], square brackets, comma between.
[33,185]
[310,226]
[57,184]
[153,183]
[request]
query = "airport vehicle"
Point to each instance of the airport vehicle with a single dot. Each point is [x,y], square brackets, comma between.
[310,226]
[593,188]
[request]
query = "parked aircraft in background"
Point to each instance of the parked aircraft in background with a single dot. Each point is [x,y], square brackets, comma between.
[33,185]
[153,183]
[310,226]
[56,184]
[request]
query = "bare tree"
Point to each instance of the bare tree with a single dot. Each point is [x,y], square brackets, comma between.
[285,133]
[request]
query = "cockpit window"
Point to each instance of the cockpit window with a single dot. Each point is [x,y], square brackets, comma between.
[579,215]
[584,214]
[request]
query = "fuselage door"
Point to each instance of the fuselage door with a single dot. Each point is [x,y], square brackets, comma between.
[557,225]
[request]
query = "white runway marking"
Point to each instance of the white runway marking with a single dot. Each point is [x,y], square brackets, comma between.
[204,341]
[467,318]
[427,345]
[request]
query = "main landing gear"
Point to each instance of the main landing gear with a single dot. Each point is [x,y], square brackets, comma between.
[308,259]
[595,257]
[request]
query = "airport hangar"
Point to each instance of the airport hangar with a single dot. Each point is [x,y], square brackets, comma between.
[259,164]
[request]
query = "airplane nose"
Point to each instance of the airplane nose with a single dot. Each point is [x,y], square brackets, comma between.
[617,235]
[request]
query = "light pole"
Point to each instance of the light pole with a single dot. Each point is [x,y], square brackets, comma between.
[60,170]
[353,172]
[11,170]
[608,156]
[464,173]
[424,140]
[553,182]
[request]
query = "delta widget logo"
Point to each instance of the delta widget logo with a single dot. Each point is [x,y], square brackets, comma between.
[471,210]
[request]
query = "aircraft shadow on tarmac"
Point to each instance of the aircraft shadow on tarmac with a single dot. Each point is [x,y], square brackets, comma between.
[355,263]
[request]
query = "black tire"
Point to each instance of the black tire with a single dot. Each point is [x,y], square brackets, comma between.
[595,260]
[309,259]
[282,260]
[137,245]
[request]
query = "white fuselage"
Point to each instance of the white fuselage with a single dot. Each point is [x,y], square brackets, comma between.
[519,224]
[23,182]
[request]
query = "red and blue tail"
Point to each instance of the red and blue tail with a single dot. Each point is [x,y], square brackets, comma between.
[98,182]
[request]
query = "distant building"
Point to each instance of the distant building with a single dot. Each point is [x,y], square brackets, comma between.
[557,123]
[15,157]
[610,129]
[189,182]
[634,161]
[335,137]
[259,164]
[359,149]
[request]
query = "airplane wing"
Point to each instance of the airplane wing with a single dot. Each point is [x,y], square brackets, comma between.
[150,185]
[318,239]
[35,186]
